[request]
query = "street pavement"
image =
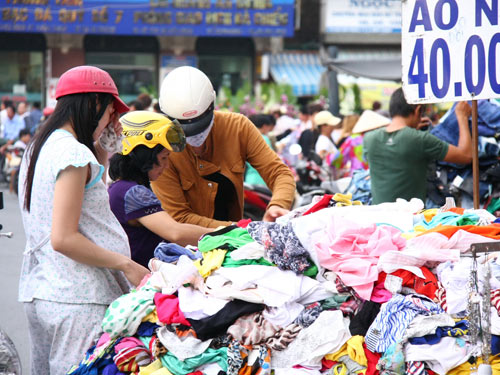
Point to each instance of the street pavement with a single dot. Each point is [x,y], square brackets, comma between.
[12,318]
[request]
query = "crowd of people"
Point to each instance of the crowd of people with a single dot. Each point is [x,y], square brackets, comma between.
[372,142]
[18,122]
[176,172]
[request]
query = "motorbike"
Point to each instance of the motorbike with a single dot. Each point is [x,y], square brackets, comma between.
[10,171]
[10,363]
[256,199]
[313,178]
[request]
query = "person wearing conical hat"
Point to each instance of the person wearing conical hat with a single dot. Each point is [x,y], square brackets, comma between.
[350,155]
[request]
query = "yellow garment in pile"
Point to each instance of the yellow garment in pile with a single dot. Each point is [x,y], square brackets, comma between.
[152,317]
[154,368]
[352,348]
[418,229]
[345,200]
[430,213]
[211,261]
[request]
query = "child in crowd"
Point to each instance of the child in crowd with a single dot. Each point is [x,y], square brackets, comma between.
[143,159]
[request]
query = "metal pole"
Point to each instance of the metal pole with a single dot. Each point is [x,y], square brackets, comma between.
[333,84]
[475,158]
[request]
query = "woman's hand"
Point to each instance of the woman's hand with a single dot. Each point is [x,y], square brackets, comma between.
[115,124]
[134,272]
[110,139]
[66,237]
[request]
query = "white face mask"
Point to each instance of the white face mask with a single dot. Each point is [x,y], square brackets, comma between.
[198,139]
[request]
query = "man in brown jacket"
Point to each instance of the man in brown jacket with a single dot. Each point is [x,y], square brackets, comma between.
[203,184]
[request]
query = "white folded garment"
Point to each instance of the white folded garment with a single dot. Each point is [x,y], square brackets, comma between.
[326,335]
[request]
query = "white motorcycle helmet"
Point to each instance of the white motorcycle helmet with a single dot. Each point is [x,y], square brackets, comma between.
[187,95]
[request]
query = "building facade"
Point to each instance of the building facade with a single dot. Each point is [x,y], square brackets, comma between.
[362,39]
[138,42]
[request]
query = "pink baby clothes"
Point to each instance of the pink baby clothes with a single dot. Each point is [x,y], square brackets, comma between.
[352,251]
[380,294]
[167,308]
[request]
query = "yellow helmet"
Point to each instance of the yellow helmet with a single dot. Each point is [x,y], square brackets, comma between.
[151,129]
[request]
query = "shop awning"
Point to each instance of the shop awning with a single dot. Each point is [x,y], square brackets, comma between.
[300,70]
[374,64]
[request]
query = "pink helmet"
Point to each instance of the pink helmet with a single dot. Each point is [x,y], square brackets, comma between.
[89,79]
[47,111]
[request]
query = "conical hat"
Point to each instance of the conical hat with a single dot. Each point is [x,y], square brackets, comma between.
[370,120]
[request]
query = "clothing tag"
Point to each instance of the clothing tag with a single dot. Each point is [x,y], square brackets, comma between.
[393,283]
[457,181]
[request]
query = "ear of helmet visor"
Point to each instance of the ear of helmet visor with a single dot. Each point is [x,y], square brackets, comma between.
[151,129]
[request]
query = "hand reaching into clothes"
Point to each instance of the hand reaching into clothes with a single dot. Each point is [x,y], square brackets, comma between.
[274,212]
[134,272]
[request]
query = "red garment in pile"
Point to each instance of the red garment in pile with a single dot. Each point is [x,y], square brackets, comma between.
[426,287]
[372,359]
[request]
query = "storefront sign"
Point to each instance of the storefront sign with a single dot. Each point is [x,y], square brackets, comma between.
[153,17]
[363,16]
[170,62]
[450,50]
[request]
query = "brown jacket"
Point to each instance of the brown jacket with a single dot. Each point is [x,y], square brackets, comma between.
[233,140]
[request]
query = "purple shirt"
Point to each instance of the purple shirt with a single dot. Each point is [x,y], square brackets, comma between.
[130,201]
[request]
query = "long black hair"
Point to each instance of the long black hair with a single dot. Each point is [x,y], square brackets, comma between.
[80,110]
[136,165]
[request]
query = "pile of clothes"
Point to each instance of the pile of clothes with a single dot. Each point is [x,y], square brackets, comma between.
[330,288]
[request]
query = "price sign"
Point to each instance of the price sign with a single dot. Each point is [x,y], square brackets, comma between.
[450,50]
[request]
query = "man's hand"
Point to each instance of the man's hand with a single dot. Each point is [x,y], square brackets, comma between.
[274,212]
[463,109]
[424,123]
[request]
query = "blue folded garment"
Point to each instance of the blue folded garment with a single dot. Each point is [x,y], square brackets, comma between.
[170,252]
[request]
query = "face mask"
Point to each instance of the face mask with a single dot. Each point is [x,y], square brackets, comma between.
[110,141]
[198,139]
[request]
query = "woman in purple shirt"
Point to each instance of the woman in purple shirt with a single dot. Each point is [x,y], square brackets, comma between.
[149,139]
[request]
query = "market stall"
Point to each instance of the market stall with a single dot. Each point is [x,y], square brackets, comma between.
[331,288]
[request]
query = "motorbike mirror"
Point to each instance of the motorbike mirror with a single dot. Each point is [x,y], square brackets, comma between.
[315,158]
[295,149]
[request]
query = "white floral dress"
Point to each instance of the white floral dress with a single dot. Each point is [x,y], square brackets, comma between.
[53,282]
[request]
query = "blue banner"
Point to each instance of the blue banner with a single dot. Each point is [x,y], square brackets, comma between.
[153,17]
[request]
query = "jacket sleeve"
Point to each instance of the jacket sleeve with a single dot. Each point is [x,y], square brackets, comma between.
[275,173]
[169,191]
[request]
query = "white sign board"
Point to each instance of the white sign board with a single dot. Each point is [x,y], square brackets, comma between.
[51,92]
[450,50]
[362,16]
